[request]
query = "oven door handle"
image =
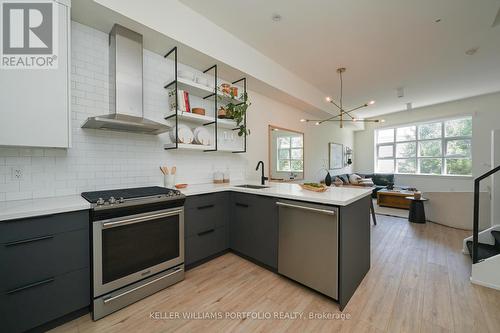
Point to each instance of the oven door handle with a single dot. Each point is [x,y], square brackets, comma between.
[113,224]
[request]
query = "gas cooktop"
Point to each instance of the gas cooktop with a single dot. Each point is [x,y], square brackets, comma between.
[121,196]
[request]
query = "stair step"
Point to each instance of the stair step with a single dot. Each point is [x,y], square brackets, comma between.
[484,251]
[496,235]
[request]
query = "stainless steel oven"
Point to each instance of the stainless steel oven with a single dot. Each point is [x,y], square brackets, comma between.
[137,244]
[131,248]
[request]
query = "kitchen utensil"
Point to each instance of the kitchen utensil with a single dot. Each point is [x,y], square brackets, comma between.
[179,186]
[164,170]
[173,170]
[200,111]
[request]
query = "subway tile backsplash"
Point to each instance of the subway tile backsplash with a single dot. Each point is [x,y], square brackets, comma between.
[104,159]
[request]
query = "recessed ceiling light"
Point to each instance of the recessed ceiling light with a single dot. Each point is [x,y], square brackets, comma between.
[371,102]
[317,123]
[302,120]
[328,99]
[472,51]
[276,17]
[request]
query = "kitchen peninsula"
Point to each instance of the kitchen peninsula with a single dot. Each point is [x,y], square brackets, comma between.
[321,240]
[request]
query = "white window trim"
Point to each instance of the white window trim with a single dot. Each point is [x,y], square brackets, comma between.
[444,141]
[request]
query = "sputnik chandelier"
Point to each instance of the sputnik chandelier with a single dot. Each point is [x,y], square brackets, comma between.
[344,115]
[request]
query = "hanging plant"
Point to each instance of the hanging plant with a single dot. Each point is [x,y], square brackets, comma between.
[237,111]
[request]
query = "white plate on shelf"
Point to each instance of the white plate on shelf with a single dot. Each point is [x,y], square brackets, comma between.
[185,135]
[202,136]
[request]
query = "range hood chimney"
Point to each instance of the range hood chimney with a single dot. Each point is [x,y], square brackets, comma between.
[126,87]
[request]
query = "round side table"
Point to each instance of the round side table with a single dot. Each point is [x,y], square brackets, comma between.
[417,211]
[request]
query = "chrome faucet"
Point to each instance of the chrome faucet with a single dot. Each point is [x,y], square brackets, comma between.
[262,178]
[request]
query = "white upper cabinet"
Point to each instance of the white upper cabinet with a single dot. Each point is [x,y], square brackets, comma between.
[35,103]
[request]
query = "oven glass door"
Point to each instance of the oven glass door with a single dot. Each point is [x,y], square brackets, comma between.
[132,248]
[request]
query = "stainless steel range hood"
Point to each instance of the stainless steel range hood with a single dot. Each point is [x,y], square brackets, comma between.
[126,87]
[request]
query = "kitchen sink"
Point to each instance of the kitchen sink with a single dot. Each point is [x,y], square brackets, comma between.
[255,187]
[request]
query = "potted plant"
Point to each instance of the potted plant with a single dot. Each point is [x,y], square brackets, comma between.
[236,112]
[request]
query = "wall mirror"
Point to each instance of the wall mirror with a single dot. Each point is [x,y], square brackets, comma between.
[336,155]
[286,154]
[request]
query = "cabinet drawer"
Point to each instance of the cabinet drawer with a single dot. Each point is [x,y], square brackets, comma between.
[205,244]
[44,300]
[11,231]
[48,255]
[205,200]
[204,218]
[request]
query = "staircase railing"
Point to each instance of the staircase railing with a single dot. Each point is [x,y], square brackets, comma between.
[475,235]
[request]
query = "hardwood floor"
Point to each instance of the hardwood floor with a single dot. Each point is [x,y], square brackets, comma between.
[418,282]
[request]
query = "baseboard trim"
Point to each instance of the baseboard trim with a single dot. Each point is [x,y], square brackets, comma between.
[484,284]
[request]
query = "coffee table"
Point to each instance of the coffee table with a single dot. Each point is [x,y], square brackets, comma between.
[394,198]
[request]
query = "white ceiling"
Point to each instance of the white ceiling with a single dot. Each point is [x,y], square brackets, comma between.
[384,44]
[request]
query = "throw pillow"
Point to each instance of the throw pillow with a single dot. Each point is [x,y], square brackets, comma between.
[366,182]
[354,179]
[344,178]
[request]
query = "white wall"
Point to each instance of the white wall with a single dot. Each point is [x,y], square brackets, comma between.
[485,111]
[105,159]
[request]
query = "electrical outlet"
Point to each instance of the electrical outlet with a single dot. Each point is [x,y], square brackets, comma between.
[17,173]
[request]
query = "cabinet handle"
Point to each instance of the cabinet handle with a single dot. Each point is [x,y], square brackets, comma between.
[31,285]
[205,207]
[316,210]
[241,205]
[30,240]
[206,232]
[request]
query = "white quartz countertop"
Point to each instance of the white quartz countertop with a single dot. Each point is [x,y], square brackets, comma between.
[338,196]
[17,209]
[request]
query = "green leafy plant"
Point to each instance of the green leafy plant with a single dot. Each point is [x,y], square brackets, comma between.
[238,112]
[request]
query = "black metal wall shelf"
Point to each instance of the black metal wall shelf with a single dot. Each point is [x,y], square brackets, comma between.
[215,95]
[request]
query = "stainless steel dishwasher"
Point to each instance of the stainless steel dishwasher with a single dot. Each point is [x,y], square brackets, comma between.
[308,245]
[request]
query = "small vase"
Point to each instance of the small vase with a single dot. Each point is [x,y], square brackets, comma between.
[328,179]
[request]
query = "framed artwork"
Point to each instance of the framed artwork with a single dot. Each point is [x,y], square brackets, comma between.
[335,155]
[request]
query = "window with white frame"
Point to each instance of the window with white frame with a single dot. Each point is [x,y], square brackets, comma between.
[434,148]
[290,157]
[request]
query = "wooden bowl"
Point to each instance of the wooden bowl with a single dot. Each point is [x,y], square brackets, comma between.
[179,186]
[323,188]
[200,111]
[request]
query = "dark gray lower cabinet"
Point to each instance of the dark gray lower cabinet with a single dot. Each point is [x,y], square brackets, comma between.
[205,226]
[253,229]
[245,223]
[45,269]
